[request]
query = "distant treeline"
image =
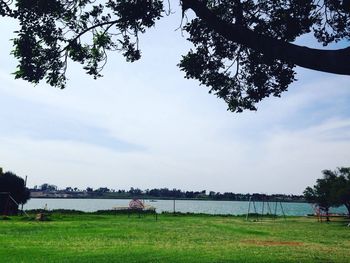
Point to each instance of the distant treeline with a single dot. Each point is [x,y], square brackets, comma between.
[47,190]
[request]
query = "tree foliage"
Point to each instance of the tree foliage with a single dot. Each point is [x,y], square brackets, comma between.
[48,187]
[341,188]
[10,182]
[243,49]
[333,189]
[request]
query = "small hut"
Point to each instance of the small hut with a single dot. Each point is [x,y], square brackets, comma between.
[136,204]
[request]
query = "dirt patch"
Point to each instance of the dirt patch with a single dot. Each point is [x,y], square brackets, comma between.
[272,243]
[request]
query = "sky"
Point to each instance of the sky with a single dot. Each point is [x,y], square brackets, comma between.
[143,125]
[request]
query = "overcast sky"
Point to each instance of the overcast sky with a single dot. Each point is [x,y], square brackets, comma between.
[144,125]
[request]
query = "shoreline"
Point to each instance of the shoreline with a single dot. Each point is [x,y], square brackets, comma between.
[164,198]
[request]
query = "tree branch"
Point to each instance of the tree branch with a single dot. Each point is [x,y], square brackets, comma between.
[110,23]
[331,61]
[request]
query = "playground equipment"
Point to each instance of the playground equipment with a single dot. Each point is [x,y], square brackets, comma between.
[266,210]
[320,213]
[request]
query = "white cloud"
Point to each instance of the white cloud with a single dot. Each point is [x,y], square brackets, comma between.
[186,137]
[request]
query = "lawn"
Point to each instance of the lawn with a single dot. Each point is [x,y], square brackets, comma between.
[180,238]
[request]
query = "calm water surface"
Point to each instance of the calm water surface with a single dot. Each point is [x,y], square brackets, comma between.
[184,206]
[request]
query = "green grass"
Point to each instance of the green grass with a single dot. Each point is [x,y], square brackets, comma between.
[181,238]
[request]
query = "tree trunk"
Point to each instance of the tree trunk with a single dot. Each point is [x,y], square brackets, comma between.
[331,61]
[327,215]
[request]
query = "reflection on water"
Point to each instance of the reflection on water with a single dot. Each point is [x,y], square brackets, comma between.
[184,206]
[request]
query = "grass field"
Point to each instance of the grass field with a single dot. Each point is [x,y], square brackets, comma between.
[181,238]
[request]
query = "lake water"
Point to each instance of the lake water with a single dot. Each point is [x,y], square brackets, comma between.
[184,206]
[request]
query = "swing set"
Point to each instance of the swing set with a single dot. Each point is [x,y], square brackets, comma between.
[265,209]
